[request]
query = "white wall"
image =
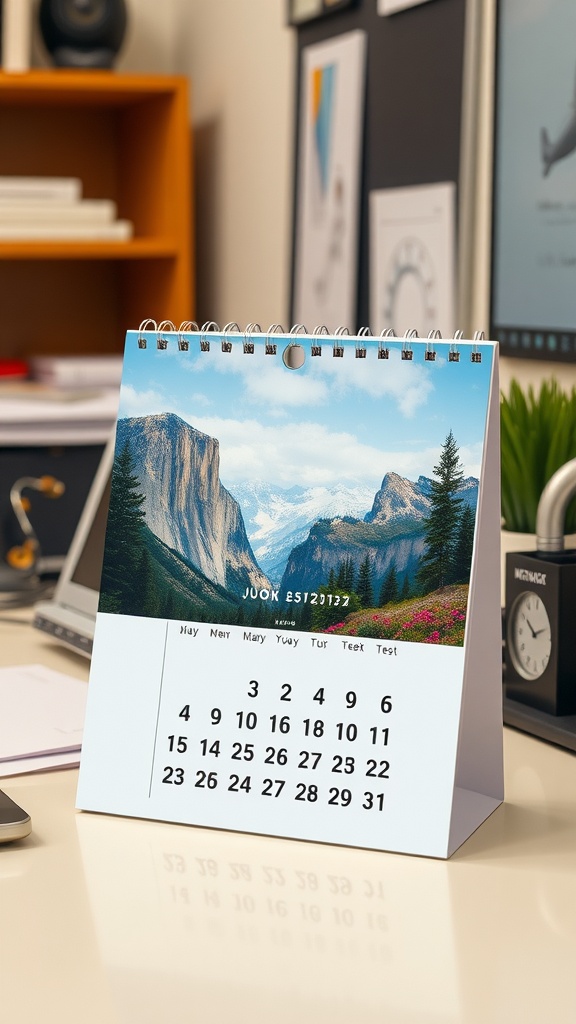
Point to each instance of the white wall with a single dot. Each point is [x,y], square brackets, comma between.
[240,55]
[151,37]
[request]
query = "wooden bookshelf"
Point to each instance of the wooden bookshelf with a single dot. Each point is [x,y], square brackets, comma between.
[128,138]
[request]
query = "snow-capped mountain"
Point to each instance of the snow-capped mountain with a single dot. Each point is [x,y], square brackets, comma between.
[392,533]
[399,498]
[278,519]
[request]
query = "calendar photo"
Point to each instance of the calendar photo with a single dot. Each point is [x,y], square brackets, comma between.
[336,499]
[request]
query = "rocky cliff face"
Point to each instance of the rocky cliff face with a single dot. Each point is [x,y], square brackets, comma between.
[330,543]
[399,499]
[186,506]
[392,533]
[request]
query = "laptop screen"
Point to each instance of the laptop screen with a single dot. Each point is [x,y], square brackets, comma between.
[88,568]
[70,616]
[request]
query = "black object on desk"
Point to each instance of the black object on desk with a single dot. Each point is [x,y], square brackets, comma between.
[54,522]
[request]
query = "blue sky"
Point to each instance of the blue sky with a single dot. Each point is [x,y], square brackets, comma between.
[335,421]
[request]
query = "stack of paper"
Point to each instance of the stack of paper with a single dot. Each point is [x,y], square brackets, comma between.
[41,719]
[52,209]
[77,371]
[35,414]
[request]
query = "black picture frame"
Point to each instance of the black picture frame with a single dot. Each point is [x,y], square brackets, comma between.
[301,12]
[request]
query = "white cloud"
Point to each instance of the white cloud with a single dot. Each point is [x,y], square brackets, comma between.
[308,454]
[305,453]
[269,383]
[140,403]
[408,385]
[471,457]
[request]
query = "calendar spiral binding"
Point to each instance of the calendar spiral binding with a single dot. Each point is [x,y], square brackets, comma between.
[233,332]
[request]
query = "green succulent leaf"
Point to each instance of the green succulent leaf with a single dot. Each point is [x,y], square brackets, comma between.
[538,435]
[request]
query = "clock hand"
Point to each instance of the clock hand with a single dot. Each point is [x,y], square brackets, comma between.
[538,631]
[534,634]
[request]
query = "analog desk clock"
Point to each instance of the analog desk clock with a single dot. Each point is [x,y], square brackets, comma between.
[541,630]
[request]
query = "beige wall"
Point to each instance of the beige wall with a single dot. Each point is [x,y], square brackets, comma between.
[240,58]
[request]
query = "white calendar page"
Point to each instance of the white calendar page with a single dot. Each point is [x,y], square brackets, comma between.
[295,617]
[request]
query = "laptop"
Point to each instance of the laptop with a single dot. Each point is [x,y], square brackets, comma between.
[70,615]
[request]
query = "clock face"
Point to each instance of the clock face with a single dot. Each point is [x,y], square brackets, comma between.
[529,635]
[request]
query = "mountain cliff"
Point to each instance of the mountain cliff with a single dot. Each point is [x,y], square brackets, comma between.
[332,541]
[186,506]
[392,533]
[400,499]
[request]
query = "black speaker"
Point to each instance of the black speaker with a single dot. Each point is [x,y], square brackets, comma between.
[83,33]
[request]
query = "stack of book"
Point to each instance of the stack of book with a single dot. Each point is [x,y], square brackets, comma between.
[53,209]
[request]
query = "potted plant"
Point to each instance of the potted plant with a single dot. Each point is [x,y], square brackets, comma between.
[538,435]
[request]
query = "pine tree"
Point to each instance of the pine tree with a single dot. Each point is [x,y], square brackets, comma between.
[345,576]
[346,579]
[169,610]
[364,587]
[406,591]
[124,535]
[464,546]
[441,525]
[142,597]
[389,589]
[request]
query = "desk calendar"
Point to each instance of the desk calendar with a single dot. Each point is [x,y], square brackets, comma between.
[299,623]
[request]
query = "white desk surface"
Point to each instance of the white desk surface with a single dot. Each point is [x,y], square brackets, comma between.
[132,922]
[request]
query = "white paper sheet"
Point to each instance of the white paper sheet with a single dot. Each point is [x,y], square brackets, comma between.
[43,763]
[412,259]
[41,712]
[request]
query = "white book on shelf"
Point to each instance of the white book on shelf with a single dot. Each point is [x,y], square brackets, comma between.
[118,231]
[56,211]
[23,186]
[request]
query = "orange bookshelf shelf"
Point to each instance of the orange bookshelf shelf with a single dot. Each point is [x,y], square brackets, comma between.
[128,138]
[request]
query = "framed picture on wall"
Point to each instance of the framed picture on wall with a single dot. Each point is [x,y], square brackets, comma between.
[330,125]
[301,11]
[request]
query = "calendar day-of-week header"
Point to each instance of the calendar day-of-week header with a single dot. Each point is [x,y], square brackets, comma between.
[281,640]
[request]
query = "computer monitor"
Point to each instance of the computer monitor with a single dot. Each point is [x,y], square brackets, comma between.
[533,250]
